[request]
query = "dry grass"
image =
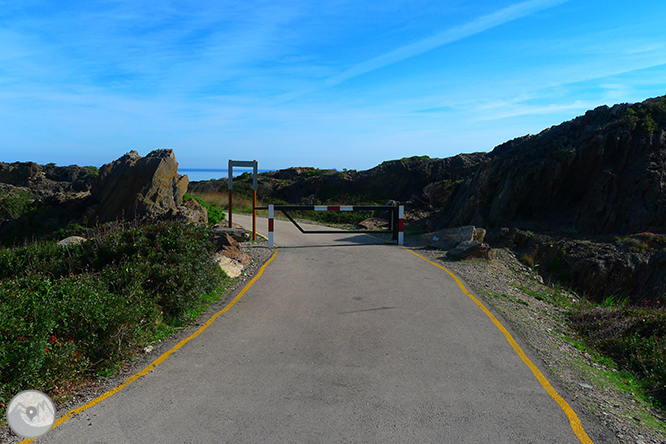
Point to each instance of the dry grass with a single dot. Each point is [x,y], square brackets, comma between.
[221,200]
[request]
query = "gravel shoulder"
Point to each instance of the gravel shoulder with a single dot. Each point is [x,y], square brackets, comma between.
[521,297]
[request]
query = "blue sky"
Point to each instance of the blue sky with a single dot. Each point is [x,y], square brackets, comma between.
[331,84]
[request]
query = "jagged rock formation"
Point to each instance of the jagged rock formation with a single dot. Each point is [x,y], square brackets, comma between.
[604,172]
[144,187]
[47,180]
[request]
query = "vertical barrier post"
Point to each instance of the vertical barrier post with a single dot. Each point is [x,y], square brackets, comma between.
[230,206]
[270,226]
[401,224]
[230,182]
[394,223]
[254,215]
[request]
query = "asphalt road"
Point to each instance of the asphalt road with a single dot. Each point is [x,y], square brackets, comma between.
[343,339]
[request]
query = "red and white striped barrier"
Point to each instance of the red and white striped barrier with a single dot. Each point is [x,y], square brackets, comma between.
[334,208]
[271,225]
[400,231]
[401,225]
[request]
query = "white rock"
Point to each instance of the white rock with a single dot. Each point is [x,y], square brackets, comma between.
[232,268]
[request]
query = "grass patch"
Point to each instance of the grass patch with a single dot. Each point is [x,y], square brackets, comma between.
[215,213]
[555,296]
[218,200]
[633,337]
[68,314]
[605,372]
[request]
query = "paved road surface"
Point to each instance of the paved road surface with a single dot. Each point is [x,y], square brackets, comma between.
[342,340]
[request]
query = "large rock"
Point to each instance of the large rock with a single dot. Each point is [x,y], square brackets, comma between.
[470,248]
[144,188]
[220,231]
[451,237]
[633,267]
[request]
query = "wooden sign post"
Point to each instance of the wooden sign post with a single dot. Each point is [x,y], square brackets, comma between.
[244,164]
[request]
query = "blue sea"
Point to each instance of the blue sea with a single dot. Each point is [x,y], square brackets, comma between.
[196,174]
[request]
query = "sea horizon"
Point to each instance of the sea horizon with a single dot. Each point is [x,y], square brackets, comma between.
[199,174]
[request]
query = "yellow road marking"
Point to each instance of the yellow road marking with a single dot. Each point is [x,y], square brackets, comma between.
[576,425]
[162,358]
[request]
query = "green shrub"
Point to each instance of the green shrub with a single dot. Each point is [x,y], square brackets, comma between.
[635,338]
[93,171]
[68,313]
[15,203]
[215,214]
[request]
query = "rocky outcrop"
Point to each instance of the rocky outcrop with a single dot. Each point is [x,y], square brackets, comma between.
[145,188]
[624,267]
[48,180]
[603,172]
[399,180]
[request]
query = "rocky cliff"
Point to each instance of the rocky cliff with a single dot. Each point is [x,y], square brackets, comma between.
[601,173]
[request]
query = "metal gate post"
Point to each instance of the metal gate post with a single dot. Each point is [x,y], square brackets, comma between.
[394,223]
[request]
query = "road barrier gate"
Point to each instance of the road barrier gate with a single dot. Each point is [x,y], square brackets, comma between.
[396,221]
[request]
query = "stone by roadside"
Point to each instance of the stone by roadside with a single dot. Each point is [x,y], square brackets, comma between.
[509,288]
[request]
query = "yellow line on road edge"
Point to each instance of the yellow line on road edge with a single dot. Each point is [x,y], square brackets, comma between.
[576,425]
[162,358]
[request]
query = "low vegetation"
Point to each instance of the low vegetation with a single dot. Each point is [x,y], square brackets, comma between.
[633,337]
[215,213]
[629,339]
[69,314]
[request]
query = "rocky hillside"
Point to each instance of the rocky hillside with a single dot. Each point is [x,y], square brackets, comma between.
[593,190]
[410,180]
[601,173]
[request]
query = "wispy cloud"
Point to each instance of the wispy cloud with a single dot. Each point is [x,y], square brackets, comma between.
[446,37]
